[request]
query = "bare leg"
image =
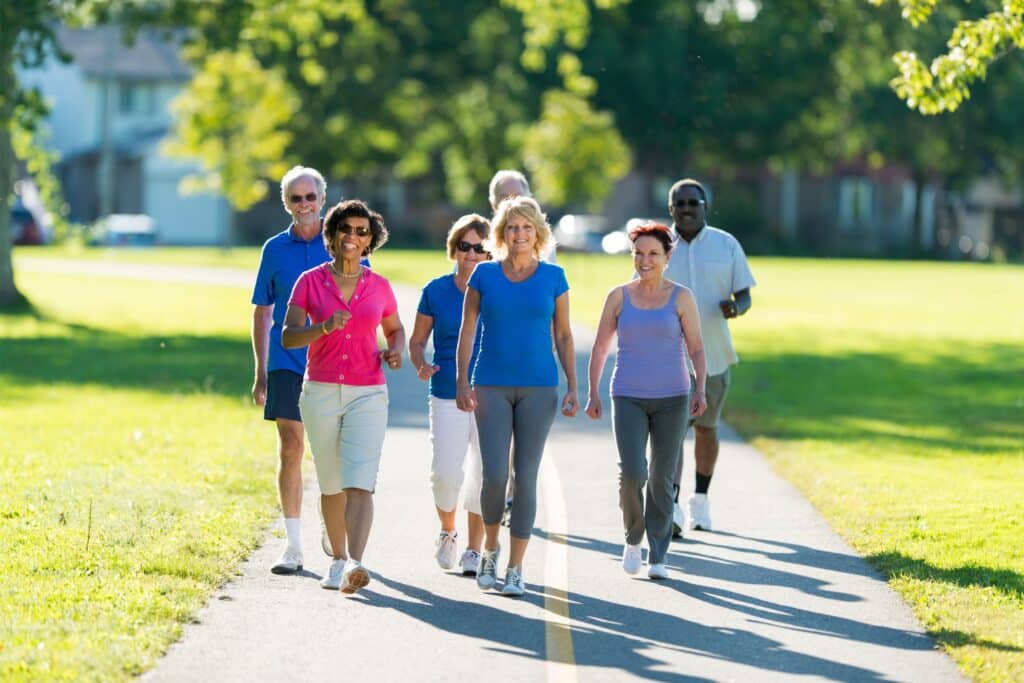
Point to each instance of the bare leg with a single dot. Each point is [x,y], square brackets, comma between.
[290,448]
[447,519]
[705,450]
[334,507]
[517,551]
[358,520]
[475,524]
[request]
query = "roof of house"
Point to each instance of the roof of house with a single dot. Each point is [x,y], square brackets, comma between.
[99,51]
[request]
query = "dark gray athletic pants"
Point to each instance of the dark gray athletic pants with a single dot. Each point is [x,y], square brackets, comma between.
[526,413]
[663,420]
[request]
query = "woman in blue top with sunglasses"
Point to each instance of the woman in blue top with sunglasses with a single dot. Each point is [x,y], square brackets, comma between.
[452,431]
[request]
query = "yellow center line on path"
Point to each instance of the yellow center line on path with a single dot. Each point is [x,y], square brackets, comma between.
[561,658]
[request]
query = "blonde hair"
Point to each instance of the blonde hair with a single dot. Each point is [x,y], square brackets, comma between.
[471,221]
[524,207]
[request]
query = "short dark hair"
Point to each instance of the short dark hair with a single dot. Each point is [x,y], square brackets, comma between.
[651,229]
[356,208]
[688,182]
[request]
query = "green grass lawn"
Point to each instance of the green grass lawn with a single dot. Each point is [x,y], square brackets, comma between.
[891,393]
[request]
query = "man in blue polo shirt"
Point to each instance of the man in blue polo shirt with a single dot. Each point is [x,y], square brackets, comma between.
[279,371]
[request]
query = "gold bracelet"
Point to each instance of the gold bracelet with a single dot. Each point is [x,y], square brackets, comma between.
[323,328]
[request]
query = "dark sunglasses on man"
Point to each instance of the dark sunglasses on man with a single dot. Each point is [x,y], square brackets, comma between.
[466,246]
[691,202]
[296,198]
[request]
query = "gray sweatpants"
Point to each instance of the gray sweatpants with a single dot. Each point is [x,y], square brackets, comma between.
[664,421]
[526,413]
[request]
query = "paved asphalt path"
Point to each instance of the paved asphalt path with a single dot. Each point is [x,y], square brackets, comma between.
[772,594]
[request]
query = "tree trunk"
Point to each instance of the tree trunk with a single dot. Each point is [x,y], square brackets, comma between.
[9,295]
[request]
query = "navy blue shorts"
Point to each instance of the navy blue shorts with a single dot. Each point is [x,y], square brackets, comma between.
[283,390]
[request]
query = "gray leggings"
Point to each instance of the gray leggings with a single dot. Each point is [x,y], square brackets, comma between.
[664,420]
[501,413]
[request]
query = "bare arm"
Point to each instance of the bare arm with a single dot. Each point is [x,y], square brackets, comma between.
[464,397]
[686,307]
[394,333]
[566,354]
[602,347]
[417,346]
[262,321]
[297,334]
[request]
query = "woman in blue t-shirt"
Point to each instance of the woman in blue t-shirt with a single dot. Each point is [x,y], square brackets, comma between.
[451,430]
[513,388]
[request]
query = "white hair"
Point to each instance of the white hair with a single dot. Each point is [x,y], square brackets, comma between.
[502,176]
[296,172]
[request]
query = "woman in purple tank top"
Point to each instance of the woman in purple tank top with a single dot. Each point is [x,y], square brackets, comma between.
[657,325]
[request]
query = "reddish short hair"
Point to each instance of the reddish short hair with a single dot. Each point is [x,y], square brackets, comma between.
[660,232]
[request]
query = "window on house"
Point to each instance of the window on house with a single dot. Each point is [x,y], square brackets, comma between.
[136,98]
[856,202]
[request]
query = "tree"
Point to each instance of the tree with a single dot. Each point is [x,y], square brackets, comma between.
[975,44]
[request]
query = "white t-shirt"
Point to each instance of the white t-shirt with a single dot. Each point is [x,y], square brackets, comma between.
[714,266]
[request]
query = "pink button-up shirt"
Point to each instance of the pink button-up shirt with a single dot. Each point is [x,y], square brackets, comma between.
[348,355]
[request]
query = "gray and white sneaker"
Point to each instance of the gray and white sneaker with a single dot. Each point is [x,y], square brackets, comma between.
[332,579]
[632,558]
[513,582]
[446,549]
[325,540]
[678,521]
[699,509]
[354,577]
[487,575]
[470,562]
[657,571]
[289,562]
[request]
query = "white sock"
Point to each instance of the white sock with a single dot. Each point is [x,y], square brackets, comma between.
[293,531]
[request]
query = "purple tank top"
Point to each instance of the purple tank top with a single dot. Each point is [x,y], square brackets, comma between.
[651,358]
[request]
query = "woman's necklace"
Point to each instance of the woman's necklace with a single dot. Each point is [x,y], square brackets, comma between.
[347,275]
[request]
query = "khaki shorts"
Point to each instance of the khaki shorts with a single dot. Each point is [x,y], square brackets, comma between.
[345,425]
[715,389]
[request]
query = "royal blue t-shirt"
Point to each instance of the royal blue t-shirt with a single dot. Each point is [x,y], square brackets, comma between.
[515,340]
[442,301]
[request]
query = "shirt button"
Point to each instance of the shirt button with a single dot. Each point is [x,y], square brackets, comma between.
[341,376]
[348,336]
[344,356]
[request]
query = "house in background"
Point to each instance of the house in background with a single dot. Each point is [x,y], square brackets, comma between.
[129,126]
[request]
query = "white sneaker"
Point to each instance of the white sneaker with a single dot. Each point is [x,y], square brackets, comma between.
[513,582]
[354,577]
[325,540]
[699,509]
[470,562]
[332,579]
[658,572]
[632,559]
[487,576]
[289,562]
[446,549]
[678,521]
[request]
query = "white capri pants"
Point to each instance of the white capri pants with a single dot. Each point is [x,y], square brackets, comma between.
[452,431]
[345,425]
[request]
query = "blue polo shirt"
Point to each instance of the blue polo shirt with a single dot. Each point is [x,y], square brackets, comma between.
[284,258]
[515,346]
[442,301]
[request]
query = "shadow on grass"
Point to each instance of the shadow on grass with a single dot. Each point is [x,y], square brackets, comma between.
[932,398]
[894,565]
[165,363]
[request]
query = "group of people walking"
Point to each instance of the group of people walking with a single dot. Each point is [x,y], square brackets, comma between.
[500,331]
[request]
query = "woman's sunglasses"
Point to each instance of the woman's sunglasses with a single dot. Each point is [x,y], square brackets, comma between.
[347,229]
[466,246]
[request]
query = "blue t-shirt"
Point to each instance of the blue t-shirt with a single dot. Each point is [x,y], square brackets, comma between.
[284,258]
[442,301]
[515,342]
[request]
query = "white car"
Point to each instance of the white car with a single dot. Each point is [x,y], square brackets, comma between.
[617,241]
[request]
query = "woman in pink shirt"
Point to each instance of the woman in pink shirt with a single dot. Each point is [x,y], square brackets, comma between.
[344,402]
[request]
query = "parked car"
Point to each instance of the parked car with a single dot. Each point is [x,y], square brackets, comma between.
[25,229]
[580,232]
[124,230]
[617,241]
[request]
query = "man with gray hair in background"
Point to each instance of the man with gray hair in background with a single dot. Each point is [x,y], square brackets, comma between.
[510,183]
[279,371]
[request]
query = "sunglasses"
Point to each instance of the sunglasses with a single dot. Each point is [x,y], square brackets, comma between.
[347,229]
[296,198]
[466,246]
[692,203]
